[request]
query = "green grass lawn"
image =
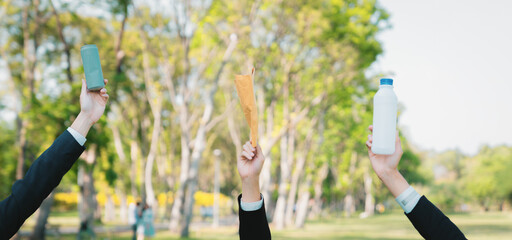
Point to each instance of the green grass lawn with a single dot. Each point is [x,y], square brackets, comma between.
[476,226]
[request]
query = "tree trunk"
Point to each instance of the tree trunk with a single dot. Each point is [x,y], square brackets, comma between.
[284,166]
[22,143]
[303,204]
[134,157]
[67,48]
[154,97]
[234,132]
[316,210]
[199,146]
[216,189]
[369,204]
[200,139]
[282,190]
[119,52]
[177,207]
[265,175]
[349,203]
[290,199]
[123,207]
[301,163]
[110,210]
[22,123]
[120,189]
[87,202]
[42,218]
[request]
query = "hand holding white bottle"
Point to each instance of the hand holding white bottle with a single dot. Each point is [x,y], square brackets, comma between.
[384,118]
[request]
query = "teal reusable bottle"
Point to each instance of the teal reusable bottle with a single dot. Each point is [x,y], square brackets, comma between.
[92,67]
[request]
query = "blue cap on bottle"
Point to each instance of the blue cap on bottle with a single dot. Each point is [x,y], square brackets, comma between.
[386,81]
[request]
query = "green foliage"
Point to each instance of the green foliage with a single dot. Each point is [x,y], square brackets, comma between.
[409,165]
[488,179]
[7,158]
[446,196]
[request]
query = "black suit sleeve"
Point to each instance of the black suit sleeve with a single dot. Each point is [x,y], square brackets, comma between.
[41,178]
[431,223]
[253,224]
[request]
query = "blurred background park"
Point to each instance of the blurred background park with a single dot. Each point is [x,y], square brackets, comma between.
[174,127]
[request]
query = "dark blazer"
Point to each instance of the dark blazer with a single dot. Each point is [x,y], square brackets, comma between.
[41,178]
[253,224]
[431,223]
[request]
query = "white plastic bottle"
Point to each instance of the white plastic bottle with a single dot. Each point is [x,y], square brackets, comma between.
[384,118]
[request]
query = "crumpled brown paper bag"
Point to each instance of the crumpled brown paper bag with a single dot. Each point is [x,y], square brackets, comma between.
[245,90]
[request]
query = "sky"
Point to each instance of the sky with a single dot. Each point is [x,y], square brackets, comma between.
[451,62]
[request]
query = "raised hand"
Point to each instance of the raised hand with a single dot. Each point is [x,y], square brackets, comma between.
[249,167]
[385,166]
[93,103]
[384,163]
[92,106]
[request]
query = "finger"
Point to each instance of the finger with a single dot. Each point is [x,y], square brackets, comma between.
[370,128]
[105,81]
[84,86]
[246,155]
[247,148]
[103,91]
[252,148]
[259,153]
[369,143]
[105,97]
[258,148]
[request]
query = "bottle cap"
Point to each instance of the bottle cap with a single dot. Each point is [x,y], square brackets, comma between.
[386,81]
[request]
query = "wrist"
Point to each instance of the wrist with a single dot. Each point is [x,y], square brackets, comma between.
[250,190]
[388,174]
[82,124]
[394,181]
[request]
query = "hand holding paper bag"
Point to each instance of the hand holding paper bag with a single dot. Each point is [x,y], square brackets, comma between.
[245,90]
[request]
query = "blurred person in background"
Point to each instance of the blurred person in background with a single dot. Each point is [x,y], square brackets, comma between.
[132,218]
[147,219]
[139,221]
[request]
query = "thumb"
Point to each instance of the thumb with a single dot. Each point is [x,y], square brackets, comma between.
[258,148]
[84,86]
[259,152]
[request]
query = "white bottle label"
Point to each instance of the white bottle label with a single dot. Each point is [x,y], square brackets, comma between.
[384,122]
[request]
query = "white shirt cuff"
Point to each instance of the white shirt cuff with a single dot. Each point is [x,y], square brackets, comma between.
[251,206]
[408,199]
[78,137]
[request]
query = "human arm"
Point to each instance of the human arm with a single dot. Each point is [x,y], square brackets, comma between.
[430,222]
[49,168]
[252,216]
